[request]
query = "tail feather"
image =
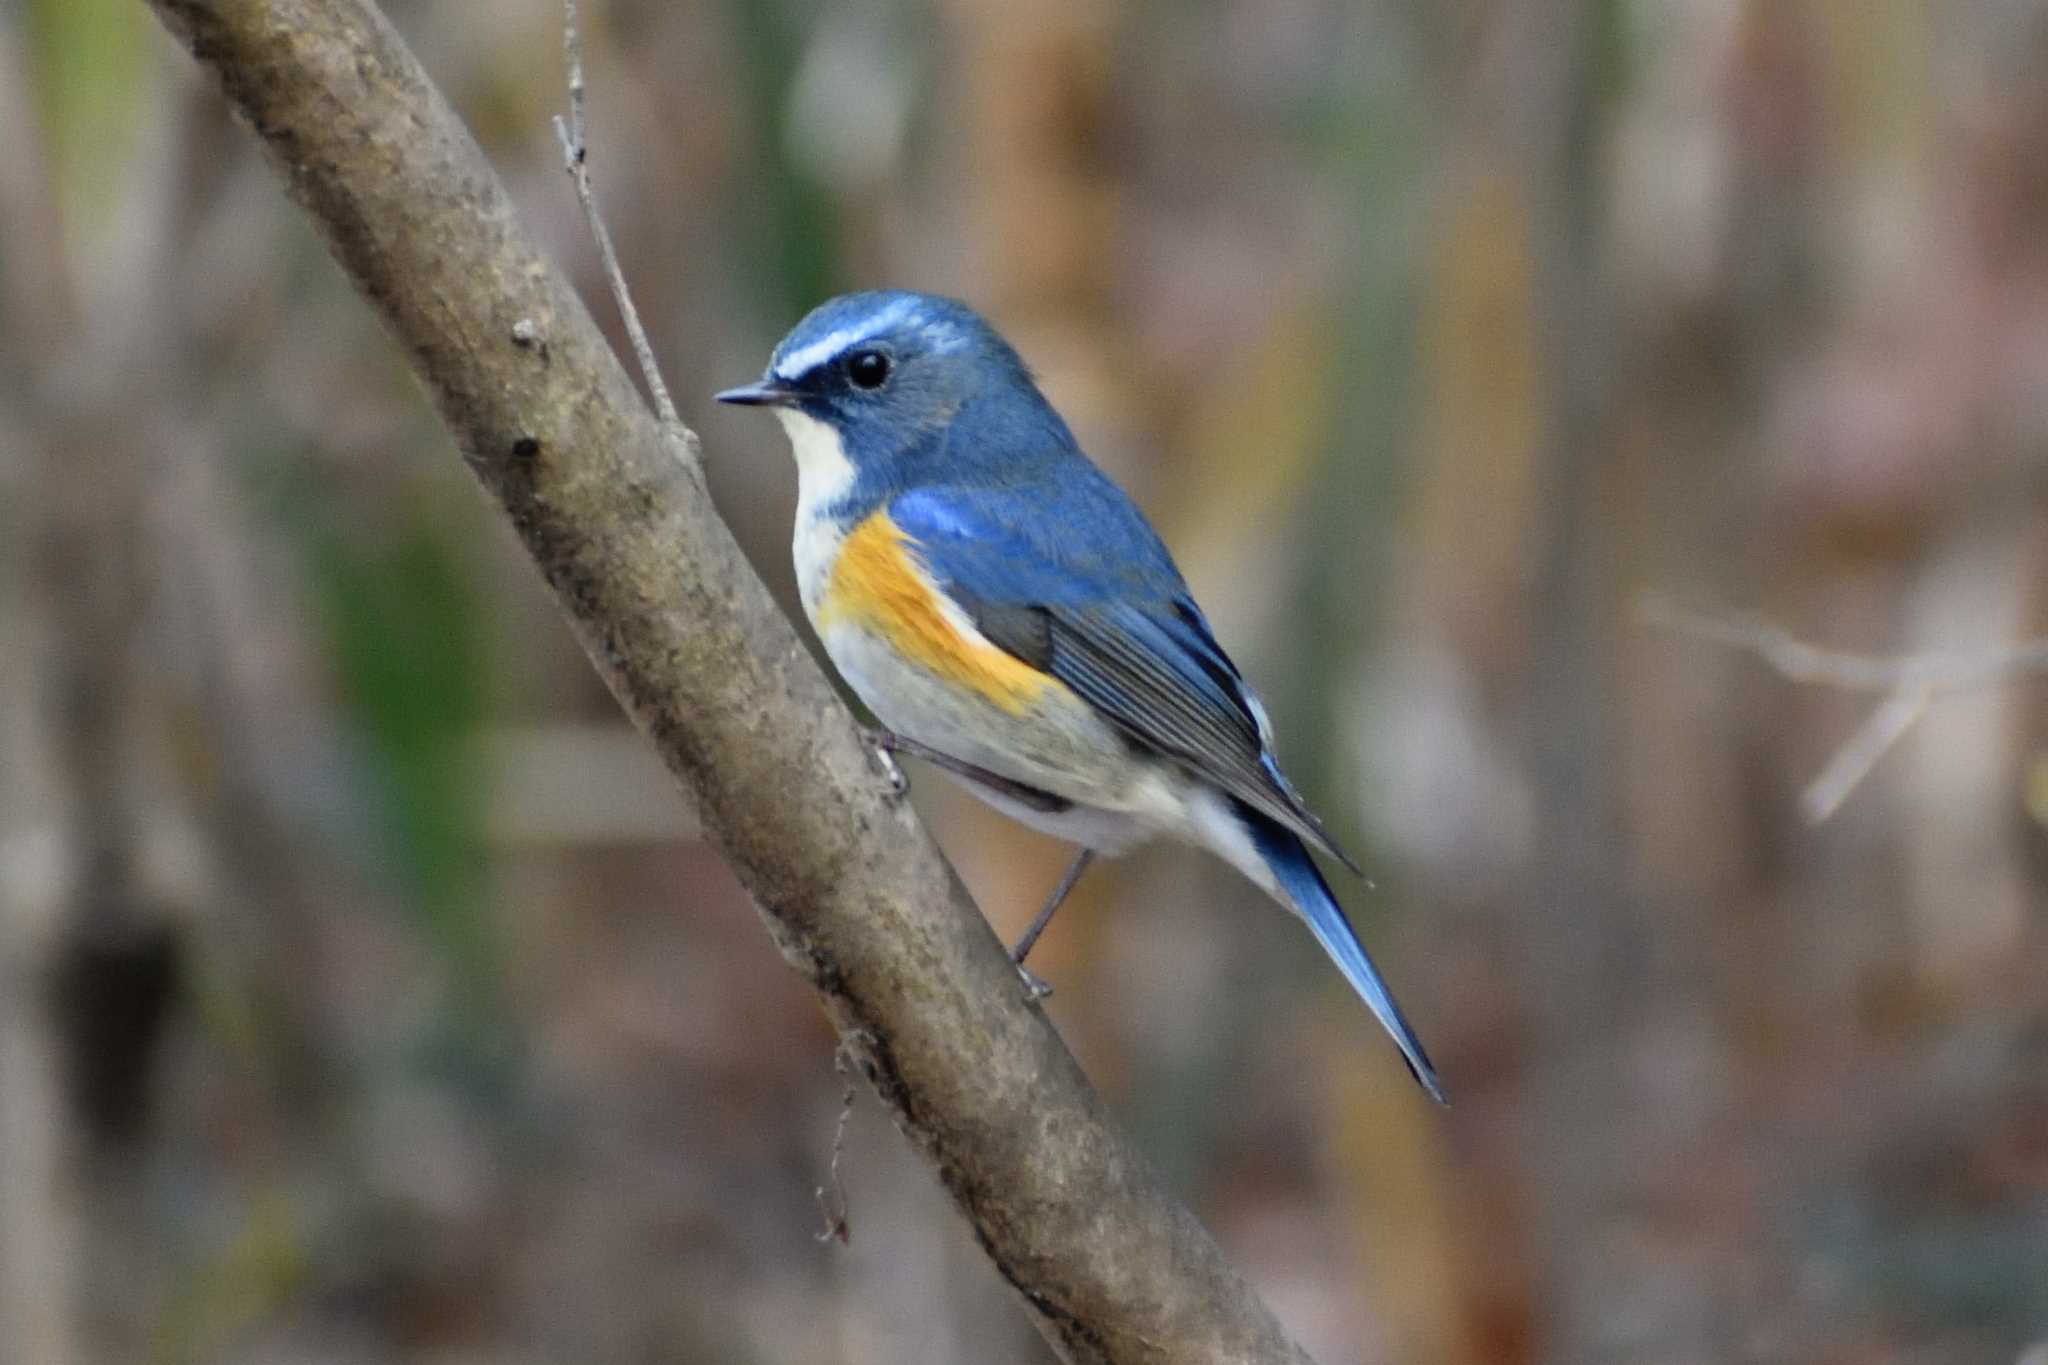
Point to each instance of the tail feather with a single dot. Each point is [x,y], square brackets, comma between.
[1302,883]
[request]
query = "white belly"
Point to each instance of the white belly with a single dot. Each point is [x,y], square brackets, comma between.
[1060,746]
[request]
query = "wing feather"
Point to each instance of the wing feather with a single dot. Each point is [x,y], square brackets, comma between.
[1104,610]
[1116,669]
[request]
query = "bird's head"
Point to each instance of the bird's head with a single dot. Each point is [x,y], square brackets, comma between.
[874,381]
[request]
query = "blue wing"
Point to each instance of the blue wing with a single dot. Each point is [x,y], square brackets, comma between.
[1065,574]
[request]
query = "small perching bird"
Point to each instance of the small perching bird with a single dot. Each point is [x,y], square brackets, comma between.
[1008,614]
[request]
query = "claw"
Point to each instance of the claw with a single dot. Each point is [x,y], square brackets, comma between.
[1036,987]
[882,748]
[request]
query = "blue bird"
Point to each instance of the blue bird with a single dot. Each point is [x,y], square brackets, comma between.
[1009,615]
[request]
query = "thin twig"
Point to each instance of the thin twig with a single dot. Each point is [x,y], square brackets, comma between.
[1799,661]
[1911,682]
[1886,726]
[576,159]
[832,1194]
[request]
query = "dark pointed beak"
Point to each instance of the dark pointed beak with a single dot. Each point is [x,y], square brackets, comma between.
[768,393]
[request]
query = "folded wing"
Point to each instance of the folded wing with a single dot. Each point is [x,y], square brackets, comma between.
[1083,590]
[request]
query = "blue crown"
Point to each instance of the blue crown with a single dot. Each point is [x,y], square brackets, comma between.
[938,325]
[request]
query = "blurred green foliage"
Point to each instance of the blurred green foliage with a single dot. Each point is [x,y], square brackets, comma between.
[407,635]
[792,256]
[90,66]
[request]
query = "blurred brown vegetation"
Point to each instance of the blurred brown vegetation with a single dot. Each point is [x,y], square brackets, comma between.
[364,996]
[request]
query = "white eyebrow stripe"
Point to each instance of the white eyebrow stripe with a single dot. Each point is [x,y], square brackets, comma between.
[799,362]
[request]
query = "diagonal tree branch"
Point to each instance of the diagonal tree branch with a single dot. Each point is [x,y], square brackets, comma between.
[1111,1268]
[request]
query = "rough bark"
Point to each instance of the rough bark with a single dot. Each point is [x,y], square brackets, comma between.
[856,896]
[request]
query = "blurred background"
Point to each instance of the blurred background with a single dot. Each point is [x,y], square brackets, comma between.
[365,995]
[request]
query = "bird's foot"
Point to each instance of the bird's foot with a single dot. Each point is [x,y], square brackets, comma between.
[1036,987]
[887,744]
[882,746]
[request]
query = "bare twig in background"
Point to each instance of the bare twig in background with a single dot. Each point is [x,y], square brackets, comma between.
[1853,761]
[576,159]
[1569,936]
[1911,680]
[1801,662]
[1110,1266]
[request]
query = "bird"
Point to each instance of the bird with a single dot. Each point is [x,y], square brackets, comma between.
[1008,614]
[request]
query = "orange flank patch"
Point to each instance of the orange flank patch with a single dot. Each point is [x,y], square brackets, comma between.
[875,584]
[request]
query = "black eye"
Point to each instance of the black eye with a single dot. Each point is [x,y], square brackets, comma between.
[867,369]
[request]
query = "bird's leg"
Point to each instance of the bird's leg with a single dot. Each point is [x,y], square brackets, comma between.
[1036,984]
[887,744]
[1052,903]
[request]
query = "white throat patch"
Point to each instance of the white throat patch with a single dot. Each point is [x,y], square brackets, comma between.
[823,476]
[823,473]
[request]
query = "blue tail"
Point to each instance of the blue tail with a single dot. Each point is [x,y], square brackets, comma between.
[1304,885]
